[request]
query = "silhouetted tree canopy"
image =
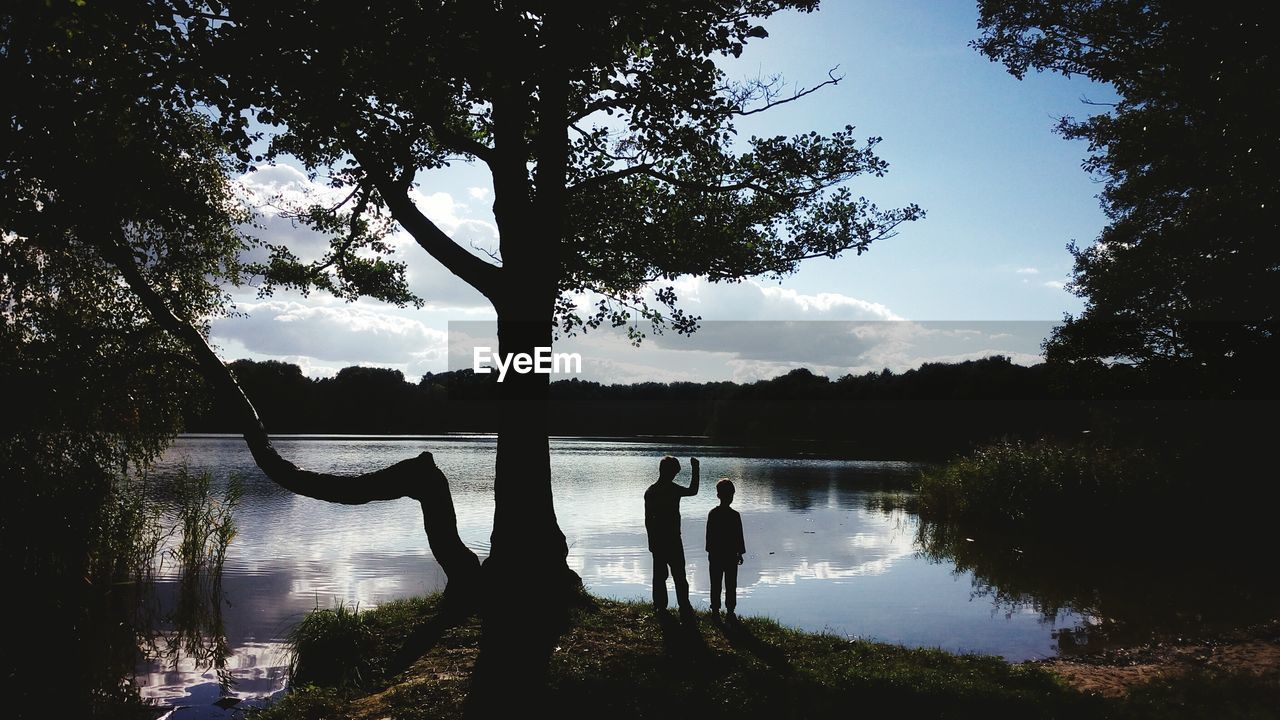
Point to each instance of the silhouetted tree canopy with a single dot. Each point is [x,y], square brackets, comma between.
[607,127]
[101,152]
[608,131]
[100,156]
[1185,278]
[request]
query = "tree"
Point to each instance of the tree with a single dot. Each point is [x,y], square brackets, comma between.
[1184,278]
[608,131]
[92,148]
[119,229]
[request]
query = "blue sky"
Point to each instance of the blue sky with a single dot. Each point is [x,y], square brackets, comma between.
[964,139]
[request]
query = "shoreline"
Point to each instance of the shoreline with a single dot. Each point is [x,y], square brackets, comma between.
[622,659]
[1112,673]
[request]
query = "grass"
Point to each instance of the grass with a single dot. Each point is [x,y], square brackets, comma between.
[349,650]
[1203,694]
[619,660]
[1048,485]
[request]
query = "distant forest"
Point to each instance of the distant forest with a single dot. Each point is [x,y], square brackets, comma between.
[930,412]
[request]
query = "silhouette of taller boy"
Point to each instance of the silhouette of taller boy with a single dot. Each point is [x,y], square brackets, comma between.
[662,522]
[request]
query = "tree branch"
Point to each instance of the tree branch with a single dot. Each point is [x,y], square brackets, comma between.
[417,478]
[785,264]
[476,272]
[447,136]
[649,170]
[771,103]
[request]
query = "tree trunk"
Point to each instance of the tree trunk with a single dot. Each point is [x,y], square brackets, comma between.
[525,535]
[528,584]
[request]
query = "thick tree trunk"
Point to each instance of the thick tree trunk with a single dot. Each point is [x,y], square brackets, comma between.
[529,587]
[528,550]
[525,532]
[528,584]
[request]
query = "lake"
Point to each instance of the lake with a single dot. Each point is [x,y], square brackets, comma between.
[820,556]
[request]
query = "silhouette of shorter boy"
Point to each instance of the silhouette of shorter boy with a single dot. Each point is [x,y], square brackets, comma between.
[725,548]
[662,523]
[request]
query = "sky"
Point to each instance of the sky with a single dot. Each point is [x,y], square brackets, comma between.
[983,273]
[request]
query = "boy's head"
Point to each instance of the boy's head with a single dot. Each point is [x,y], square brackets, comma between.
[668,468]
[724,490]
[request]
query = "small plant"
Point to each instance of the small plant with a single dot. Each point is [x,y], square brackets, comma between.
[206,522]
[331,648]
[202,522]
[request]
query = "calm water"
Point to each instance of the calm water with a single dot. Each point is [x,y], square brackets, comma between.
[817,557]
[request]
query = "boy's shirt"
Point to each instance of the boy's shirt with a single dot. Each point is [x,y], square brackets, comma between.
[662,514]
[724,532]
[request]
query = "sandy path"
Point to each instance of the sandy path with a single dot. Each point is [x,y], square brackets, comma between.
[1113,672]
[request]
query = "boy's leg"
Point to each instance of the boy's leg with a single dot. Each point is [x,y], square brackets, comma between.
[731,584]
[676,558]
[716,571]
[659,581]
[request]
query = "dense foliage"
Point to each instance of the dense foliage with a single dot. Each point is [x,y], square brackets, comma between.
[611,143]
[100,154]
[1014,484]
[1185,278]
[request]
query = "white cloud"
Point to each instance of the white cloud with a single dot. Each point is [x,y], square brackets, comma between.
[776,328]
[276,188]
[349,333]
[754,300]
[452,217]
[1055,284]
[827,305]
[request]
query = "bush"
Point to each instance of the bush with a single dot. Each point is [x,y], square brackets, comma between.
[1016,483]
[330,648]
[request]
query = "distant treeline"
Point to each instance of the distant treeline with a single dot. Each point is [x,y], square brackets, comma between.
[933,411]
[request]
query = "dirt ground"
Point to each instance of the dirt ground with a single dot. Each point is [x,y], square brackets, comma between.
[1111,673]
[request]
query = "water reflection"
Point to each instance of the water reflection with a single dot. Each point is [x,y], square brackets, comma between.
[816,556]
[1127,586]
[823,553]
[254,671]
[140,589]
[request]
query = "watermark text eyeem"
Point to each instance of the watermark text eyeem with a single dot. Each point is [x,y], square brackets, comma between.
[542,361]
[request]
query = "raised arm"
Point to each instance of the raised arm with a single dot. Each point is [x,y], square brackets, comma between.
[693,485]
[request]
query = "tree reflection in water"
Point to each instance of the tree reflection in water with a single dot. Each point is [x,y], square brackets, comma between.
[1132,584]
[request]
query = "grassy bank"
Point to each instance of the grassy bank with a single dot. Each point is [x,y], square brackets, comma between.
[619,660]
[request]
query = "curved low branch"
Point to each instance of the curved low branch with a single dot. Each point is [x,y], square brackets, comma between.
[417,477]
